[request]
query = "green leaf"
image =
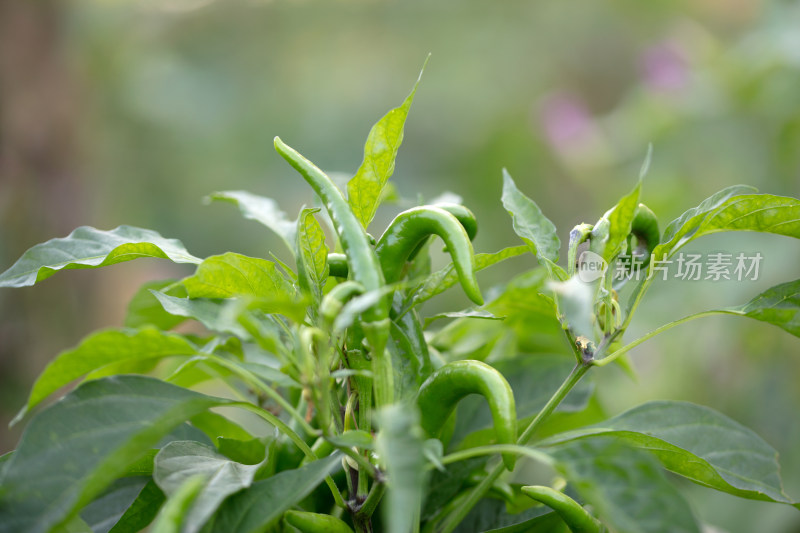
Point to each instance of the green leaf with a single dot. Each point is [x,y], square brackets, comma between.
[380,151]
[491,515]
[88,247]
[620,217]
[144,309]
[215,425]
[312,256]
[353,438]
[779,305]
[698,443]
[172,515]
[530,224]
[215,315]
[467,313]
[248,512]
[180,461]
[230,274]
[443,279]
[107,509]
[262,210]
[625,487]
[764,213]
[73,450]
[755,212]
[686,225]
[142,511]
[100,350]
[400,444]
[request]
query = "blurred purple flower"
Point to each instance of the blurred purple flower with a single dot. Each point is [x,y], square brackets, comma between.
[664,67]
[565,119]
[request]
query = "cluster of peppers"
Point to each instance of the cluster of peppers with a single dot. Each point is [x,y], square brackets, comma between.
[388,336]
[385,335]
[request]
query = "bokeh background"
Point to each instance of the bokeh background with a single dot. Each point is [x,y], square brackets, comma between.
[131,111]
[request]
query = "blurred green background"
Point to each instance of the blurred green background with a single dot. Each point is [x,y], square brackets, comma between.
[130,112]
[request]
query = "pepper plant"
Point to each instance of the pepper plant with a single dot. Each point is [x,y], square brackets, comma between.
[321,397]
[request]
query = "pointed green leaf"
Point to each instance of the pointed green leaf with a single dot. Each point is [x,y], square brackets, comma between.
[251,511]
[142,511]
[230,274]
[73,450]
[626,487]
[684,228]
[106,510]
[530,224]
[400,444]
[213,314]
[180,461]
[491,516]
[262,210]
[88,247]
[765,213]
[380,151]
[312,255]
[698,443]
[447,277]
[144,308]
[102,349]
[620,217]
[215,425]
[779,305]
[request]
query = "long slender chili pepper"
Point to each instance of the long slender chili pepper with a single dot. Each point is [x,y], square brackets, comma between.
[362,263]
[442,391]
[412,227]
[577,519]
[308,522]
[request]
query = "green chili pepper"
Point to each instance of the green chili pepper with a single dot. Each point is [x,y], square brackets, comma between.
[308,522]
[464,216]
[645,228]
[338,296]
[362,263]
[412,227]
[442,391]
[337,265]
[577,519]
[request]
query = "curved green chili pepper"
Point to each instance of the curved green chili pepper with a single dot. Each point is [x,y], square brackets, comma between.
[412,227]
[308,522]
[442,391]
[577,519]
[338,296]
[645,228]
[362,263]
[464,216]
[337,265]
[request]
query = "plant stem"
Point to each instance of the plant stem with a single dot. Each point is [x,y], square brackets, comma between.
[295,438]
[610,358]
[452,520]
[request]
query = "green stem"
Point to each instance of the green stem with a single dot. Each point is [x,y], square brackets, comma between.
[373,499]
[628,347]
[452,520]
[256,383]
[295,438]
[493,449]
